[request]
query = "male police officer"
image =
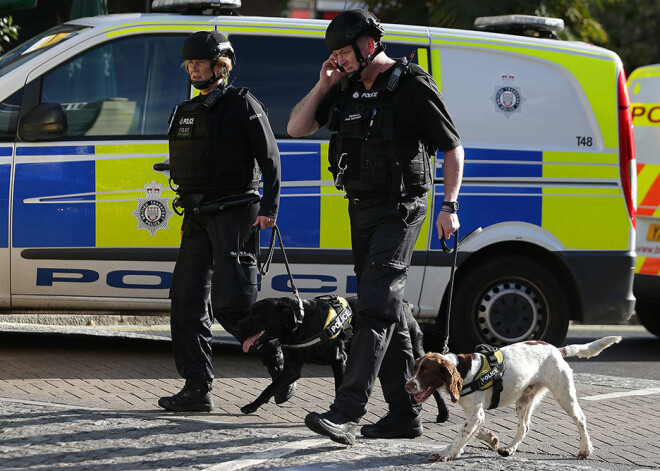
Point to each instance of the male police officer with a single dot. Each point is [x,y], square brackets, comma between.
[388,118]
[220,143]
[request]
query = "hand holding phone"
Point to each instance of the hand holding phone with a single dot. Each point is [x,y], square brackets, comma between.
[331,72]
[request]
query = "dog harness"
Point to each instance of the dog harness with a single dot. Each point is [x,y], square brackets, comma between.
[489,376]
[339,316]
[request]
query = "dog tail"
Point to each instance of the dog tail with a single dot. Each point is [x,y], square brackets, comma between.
[589,350]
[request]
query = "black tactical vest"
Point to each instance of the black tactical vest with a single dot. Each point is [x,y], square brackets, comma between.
[377,163]
[208,148]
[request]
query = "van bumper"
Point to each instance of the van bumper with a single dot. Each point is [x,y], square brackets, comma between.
[647,287]
[605,285]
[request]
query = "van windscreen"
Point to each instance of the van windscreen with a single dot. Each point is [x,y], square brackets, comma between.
[37,45]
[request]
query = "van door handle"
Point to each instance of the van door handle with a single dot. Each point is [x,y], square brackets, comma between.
[162,166]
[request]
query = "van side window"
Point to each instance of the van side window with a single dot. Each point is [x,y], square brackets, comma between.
[279,72]
[9,116]
[125,88]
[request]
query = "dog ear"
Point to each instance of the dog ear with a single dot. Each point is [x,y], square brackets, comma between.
[283,308]
[453,380]
[290,312]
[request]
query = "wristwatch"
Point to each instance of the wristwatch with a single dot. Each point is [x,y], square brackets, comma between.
[453,205]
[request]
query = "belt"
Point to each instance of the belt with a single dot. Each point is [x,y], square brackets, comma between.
[362,203]
[227,203]
[197,203]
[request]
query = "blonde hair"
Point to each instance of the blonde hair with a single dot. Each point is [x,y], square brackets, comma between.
[223,62]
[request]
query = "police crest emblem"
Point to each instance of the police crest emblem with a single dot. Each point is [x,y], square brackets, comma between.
[152,212]
[507,97]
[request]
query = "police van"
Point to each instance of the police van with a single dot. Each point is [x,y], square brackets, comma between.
[644,89]
[86,222]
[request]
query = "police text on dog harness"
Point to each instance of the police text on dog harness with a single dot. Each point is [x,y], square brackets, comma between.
[339,316]
[489,376]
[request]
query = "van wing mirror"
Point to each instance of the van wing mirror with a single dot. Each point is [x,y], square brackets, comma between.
[44,122]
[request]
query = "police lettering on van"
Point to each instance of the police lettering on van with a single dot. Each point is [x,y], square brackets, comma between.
[644,89]
[85,221]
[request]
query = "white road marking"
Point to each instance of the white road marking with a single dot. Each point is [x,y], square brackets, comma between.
[260,457]
[637,392]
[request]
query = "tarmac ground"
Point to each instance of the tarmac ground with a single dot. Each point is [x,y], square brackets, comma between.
[82,397]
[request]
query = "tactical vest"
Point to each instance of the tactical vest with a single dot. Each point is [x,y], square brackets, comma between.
[373,161]
[208,149]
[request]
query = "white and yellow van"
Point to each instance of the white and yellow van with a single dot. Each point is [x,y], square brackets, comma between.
[86,223]
[644,89]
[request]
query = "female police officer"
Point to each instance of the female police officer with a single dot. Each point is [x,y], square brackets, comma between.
[388,117]
[220,144]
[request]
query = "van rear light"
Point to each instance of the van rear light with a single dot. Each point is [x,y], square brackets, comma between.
[627,161]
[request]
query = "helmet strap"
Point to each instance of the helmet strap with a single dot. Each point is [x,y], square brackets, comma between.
[355,76]
[204,84]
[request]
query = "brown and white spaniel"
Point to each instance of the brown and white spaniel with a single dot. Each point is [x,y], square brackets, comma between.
[530,370]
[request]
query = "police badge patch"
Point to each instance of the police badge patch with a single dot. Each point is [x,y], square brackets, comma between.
[152,212]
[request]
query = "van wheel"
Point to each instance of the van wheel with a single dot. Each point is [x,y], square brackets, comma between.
[505,300]
[648,314]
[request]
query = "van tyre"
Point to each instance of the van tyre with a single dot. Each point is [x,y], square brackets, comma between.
[508,299]
[648,314]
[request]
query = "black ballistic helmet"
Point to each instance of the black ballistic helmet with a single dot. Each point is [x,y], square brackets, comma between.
[350,25]
[347,28]
[207,45]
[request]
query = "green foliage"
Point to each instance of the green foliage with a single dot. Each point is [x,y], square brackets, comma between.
[631,28]
[634,31]
[577,15]
[8,31]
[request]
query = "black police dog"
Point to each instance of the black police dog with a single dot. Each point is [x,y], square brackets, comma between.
[275,318]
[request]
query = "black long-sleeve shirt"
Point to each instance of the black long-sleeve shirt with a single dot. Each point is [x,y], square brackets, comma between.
[264,147]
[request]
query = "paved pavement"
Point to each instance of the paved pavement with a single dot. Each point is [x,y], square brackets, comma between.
[80,397]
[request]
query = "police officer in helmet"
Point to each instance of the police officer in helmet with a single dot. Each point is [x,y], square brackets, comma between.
[388,118]
[220,145]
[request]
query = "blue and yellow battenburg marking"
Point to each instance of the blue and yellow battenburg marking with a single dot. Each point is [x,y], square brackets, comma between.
[92,201]
[540,189]
[5,179]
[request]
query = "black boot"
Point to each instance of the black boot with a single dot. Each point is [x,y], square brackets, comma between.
[332,424]
[395,426]
[189,399]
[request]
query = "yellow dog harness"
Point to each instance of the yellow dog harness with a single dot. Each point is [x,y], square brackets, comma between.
[339,316]
[489,376]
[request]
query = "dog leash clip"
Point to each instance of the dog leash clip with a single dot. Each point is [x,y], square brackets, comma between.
[301,309]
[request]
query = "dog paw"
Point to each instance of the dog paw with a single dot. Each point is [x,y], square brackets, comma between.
[584,454]
[585,450]
[249,409]
[506,451]
[442,417]
[444,455]
[438,457]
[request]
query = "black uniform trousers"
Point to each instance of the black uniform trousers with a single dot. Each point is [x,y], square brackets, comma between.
[210,280]
[383,237]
